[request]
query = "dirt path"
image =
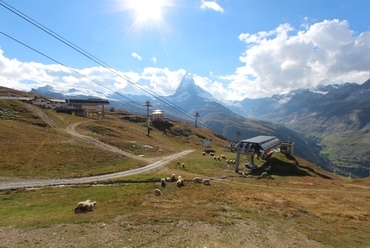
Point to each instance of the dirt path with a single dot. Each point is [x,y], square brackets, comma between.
[154,163]
[10,184]
[71,130]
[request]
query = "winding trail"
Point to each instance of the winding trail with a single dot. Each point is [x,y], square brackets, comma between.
[154,163]
[12,184]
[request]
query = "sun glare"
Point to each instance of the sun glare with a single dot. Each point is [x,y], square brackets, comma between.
[147,9]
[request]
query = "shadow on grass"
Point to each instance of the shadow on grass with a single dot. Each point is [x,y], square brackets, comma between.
[277,167]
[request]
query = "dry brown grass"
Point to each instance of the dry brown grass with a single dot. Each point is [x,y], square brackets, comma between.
[300,206]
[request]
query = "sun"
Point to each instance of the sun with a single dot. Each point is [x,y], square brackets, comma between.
[147,9]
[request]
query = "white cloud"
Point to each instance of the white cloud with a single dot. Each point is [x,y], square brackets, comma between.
[205,5]
[136,56]
[154,60]
[274,61]
[280,60]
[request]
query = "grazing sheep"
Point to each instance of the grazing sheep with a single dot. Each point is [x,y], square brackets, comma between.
[214,157]
[178,163]
[183,165]
[206,182]
[264,174]
[163,182]
[212,154]
[179,177]
[168,179]
[157,192]
[85,206]
[203,153]
[180,182]
[173,178]
[223,156]
[197,180]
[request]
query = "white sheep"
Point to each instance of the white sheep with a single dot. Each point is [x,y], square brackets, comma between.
[168,179]
[173,178]
[180,182]
[206,182]
[203,153]
[157,192]
[179,177]
[183,165]
[85,206]
[197,180]
[163,182]
[223,156]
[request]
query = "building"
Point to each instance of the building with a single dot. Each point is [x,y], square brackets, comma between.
[76,105]
[287,148]
[261,146]
[157,114]
[46,103]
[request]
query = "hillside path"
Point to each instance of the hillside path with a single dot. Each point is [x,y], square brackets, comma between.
[154,163]
[11,184]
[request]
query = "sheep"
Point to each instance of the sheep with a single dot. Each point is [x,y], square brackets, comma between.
[85,206]
[157,192]
[163,182]
[90,205]
[206,182]
[168,179]
[180,182]
[179,177]
[214,157]
[264,174]
[81,206]
[223,156]
[203,153]
[173,178]
[212,154]
[183,165]
[197,180]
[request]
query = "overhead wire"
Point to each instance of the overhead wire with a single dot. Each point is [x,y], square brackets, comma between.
[75,71]
[96,60]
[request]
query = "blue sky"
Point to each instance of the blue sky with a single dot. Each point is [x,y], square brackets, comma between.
[233,48]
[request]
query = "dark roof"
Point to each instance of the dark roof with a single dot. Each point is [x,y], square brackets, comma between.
[265,142]
[90,101]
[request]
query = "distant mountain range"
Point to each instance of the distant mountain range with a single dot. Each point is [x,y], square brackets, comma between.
[329,125]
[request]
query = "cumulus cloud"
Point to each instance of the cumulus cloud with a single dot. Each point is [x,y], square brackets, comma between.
[273,61]
[136,56]
[284,59]
[212,5]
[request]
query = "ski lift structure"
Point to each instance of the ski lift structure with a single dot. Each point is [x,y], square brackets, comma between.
[261,146]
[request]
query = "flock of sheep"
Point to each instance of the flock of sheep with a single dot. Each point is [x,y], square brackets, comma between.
[88,205]
[180,182]
[233,162]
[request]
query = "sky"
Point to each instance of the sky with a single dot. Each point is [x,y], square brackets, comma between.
[234,49]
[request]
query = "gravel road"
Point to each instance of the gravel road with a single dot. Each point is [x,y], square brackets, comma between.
[11,184]
[154,163]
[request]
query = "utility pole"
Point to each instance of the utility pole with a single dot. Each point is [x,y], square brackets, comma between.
[147,104]
[196,118]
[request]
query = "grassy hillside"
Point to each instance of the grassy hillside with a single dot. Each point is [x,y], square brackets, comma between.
[296,206]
